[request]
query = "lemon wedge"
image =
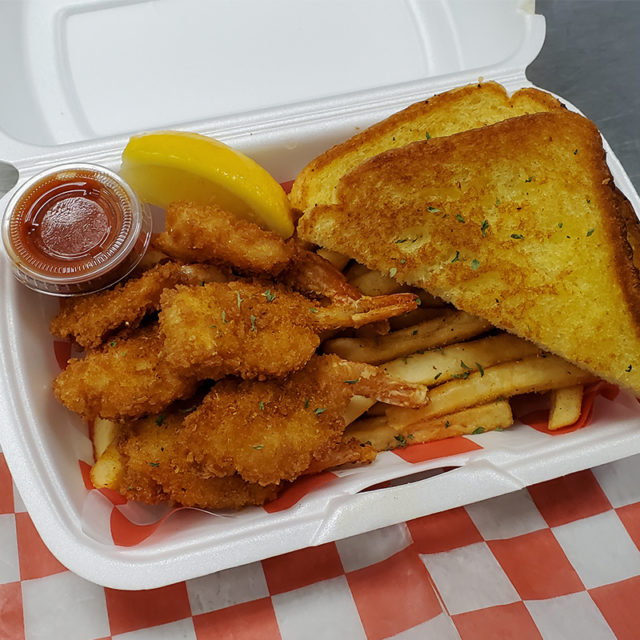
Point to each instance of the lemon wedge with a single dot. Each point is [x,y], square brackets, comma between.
[166,166]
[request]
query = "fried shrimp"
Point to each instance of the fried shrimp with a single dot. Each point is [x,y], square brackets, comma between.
[125,378]
[272,431]
[207,233]
[152,473]
[247,440]
[257,330]
[89,319]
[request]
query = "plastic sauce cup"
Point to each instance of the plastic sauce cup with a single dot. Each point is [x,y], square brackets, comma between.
[75,229]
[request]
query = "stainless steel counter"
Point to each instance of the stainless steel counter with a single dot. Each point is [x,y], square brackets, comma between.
[591,57]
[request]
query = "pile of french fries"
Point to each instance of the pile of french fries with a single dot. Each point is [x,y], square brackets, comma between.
[471,369]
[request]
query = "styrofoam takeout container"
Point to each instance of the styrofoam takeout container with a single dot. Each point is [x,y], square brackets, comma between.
[281,81]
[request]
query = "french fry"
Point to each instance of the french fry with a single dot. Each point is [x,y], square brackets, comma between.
[566,406]
[382,436]
[107,472]
[451,326]
[374,431]
[354,270]
[338,260]
[411,318]
[356,407]
[102,435]
[374,283]
[529,375]
[440,365]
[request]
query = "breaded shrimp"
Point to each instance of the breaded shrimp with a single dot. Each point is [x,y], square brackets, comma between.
[125,378]
[207,233]
[257,330]
[272,431]
[152,474]
[89,319]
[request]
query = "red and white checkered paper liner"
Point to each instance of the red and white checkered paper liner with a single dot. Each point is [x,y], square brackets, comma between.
[560,559]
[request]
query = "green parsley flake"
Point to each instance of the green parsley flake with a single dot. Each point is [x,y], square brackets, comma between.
[475,264]
[463,365]
[414,332]
[401,240]
[478,430]
[402,441]
[456,257]
[497,202]
[529,179]
[313,310]
[257,447]
[224,317]
[160,419]
[459,218]
[628,369]
[113,343]
[154,464]
[483,227]
[269,296]
[517,236]
[575,152]
[253,323]
[427,136]
[560,225]
[447,424]
[319,410]
[306,403]
[480,369]
[261,405]
[238,298]
[354,381]
[590,232]
[433,210]
[437,375]
[392,272]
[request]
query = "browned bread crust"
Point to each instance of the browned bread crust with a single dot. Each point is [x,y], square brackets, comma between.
[457,110]
[518,222]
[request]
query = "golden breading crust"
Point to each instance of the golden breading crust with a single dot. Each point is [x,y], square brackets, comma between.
[152,474]
[89,319]
[274,430]
[126,378]
[457,110]
[206,233]
[257,329]
[518,222]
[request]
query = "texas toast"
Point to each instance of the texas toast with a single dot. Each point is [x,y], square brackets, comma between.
[457,110]
[518,222]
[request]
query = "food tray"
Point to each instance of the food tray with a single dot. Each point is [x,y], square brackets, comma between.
[283,114]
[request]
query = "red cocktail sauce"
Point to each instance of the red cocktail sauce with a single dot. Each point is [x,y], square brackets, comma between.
[64,226]
[75,230]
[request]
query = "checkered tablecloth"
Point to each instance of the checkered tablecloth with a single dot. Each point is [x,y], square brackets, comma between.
[557,560]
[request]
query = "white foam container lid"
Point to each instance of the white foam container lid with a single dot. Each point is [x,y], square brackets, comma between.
[281,81]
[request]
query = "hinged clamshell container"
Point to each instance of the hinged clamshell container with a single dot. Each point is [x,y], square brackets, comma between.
[281,81]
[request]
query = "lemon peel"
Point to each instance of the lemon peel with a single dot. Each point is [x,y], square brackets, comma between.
[166,166]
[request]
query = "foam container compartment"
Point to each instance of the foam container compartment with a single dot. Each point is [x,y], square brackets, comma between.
[281,81]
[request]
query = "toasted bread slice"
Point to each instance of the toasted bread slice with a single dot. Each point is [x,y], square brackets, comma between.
[457,110]
[518,222]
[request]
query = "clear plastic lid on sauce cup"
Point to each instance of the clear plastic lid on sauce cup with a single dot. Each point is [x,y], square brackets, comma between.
[75,229]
